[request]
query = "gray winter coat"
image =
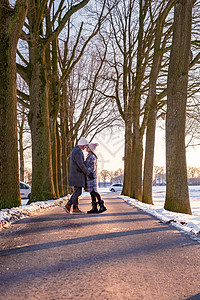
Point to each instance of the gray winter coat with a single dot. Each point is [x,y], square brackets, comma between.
[91,164]
[78,170]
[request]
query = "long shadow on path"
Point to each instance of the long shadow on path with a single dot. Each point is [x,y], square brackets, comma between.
[82,262]
[195,297]
[80,240]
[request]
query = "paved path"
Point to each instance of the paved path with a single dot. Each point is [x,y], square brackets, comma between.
[120,254]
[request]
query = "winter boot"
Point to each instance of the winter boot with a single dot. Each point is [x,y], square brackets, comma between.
[67,208]
[94,209]
[102,207]
[77,211]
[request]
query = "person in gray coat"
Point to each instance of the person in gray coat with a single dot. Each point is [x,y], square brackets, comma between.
[77,177]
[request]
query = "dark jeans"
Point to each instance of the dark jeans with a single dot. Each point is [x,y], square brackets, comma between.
[94,196]
[74,197]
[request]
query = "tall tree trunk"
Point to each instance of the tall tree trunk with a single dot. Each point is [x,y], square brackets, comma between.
[70,146]
[54,101]
[54,110]
[137,149]
[137,145]
[54,153]
[127,160]
[149,157]
[11,25]
[177,196]
[59,162]
[21,154]
[64,160]
[42,182]
[151,108]
[63,131]
[42,175]
[136,176]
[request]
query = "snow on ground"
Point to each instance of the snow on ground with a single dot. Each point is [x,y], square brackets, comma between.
[189,224]
[11,215]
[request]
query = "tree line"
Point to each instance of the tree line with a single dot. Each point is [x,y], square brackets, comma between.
[193,174]
[83,66]
[45,51]
[111,176]
[159,176]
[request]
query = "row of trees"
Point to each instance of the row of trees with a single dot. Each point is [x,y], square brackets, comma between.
[159,175]
[151,57]
[111,176]
[56,90]
[193,175]
[130,62]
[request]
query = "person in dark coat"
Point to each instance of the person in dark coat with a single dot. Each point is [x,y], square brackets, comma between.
[91,183]
[77,177]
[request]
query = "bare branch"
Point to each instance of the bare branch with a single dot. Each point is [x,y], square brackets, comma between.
[67,16]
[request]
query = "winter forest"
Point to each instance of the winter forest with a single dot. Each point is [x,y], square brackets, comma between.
[71,68]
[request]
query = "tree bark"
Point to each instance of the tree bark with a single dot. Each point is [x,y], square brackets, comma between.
[42,182]
[63,131]
[59,162]
[136,166]
[149,157]
[54,154]
[137,155]
[177,196]
[151,107]
[54,100]
[127,160]
[11,24]
[21,154]
[54,110]
[42,174]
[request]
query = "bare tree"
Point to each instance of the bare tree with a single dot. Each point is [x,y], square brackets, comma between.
[135,67]
[151,113]
[177,196]
[159,175]
[38,38]
[12,19]
[104,175]
[80,78]
[193,172]
[118,176]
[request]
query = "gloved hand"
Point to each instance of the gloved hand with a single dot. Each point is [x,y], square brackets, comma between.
[91,175]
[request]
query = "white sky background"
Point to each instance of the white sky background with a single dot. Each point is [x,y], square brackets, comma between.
[193,157]
[192,153]
[111,150]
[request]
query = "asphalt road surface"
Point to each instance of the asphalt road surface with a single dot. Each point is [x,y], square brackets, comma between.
[123,253]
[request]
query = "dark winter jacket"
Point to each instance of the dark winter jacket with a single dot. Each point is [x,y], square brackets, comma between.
[78,170]
[91,164]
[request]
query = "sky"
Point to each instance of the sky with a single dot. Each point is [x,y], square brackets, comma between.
[192,153]
[111,150]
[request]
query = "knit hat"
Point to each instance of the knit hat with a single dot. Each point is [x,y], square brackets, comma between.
[93,146]
[82,142]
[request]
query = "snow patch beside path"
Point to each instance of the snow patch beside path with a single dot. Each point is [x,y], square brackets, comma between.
[8,216]
[189,224]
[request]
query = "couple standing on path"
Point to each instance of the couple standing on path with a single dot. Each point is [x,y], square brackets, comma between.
[84,174]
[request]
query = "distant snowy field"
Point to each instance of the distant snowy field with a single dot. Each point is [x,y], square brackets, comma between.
[194,192]
[189,224]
